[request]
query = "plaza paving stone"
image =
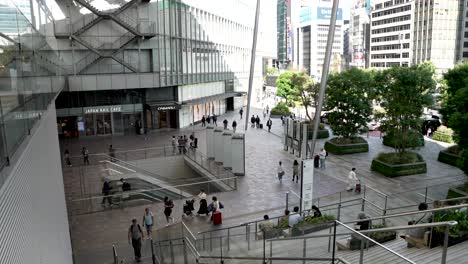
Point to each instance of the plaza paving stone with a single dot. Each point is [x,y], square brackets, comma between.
[258,191]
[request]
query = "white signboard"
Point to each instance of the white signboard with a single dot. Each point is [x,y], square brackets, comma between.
[307,188]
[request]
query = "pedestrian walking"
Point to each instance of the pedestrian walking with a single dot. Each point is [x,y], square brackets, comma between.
[148,220]
[180,145]
[264,114]
[85,154]
[174,145]
[267,109]
[111,153]
[323,157]
[203,121]
[184,148]
[257,121]
[352,180]
[66,156]
[225,124]
[135,235]
[282,120]
[234,126]
[215,119]
[253,120]
[168,205]
[269,123]
[295,171]
[208,119]
[106,188]
[280,172]
[241,112]
[203,209]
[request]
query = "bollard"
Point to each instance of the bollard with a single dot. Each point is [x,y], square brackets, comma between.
[287,200]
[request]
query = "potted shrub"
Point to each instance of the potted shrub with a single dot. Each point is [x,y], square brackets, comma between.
[351,93]
[457,233]
[451,156]
[416,139]
[399,164]
[380,237]
[458,191]
[403,93]
[312,224]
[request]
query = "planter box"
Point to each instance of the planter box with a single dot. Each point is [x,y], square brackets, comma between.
[389,170]
[320,134]
[438,239]
[448,158]
[355,243]
[346,149]
[307,229]
[389,142]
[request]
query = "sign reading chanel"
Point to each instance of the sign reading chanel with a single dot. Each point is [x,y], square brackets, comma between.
[168,107]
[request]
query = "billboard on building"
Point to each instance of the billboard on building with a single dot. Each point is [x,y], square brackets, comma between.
[308,14]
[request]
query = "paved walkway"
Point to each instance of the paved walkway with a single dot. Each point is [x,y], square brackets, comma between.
[258,192]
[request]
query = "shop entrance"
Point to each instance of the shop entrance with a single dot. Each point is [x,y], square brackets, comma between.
[103,124]
[163,119]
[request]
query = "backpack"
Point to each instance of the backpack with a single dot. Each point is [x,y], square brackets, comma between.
[139,229]
[326,153]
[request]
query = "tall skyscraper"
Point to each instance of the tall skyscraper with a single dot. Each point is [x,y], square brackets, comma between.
[312,34]
[410,32]
[359,34]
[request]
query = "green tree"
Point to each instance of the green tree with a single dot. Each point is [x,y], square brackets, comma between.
[350,93]
[404,92]
[271,71]
[303,90]
[284,87]
[455,108]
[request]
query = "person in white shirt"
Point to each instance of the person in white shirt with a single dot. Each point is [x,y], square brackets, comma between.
[280,172]
[352,180]
[148,221]
[295,217]
[323,156]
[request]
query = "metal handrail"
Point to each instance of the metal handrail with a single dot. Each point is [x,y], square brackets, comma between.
[276,217]
[369,231]
[155,189]
[375,242]
[411,213]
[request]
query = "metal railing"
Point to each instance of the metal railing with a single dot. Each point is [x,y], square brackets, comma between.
[94,203]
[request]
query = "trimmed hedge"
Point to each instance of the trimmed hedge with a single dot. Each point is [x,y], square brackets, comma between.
[448,158]
[397,170]
[342,149]
[320,134]
[389,140]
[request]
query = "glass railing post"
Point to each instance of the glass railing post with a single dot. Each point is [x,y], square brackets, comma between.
[361,252]
[228,237]
[161,256]
[425,196]
[329,239]
[444,250]
[153,256]
[248,236]
[185,251]
[264,247]
[385,209]
[271,251]
[304,251]
[334,242]
[171,249]
[221,248]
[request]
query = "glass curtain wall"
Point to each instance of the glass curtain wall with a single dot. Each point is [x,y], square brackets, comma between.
[30,75]
[195,46]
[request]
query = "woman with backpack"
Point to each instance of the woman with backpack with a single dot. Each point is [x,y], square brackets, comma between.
[168,205]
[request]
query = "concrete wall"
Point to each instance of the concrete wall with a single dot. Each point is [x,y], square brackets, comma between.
[33,214]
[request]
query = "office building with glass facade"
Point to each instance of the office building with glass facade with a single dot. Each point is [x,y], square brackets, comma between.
[141,66]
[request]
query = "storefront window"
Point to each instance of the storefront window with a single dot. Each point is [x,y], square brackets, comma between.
[89,124]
